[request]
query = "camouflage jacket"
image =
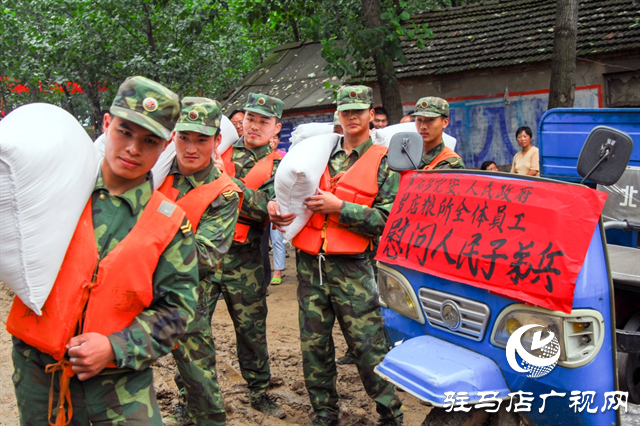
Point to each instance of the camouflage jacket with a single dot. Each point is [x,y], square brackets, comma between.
[218,222]
[255,202]
[155,330]
[363,219]
[448,164]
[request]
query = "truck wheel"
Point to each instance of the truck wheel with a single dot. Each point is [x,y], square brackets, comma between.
[440,417]
[629,365]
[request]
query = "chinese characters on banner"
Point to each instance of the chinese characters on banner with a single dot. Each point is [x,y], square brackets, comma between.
[522,239]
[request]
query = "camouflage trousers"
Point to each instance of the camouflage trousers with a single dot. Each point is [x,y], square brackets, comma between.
[240,278]
[347,293]
[114,397]
[195,356]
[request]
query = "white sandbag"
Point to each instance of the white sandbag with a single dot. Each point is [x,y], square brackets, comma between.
[307,130]
[229,134]
[298,177]
[383,136]
[48,169]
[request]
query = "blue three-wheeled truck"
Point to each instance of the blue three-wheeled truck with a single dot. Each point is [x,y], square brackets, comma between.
[512,299]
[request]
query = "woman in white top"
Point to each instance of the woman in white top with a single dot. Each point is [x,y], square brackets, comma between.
[527,161]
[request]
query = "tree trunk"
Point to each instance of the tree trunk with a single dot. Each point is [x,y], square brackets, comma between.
[68,98]
[385,72]
[563,66]
[94,98]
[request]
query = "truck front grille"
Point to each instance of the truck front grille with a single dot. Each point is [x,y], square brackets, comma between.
[472,317]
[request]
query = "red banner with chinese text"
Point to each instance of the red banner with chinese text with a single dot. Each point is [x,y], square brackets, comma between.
[522,239]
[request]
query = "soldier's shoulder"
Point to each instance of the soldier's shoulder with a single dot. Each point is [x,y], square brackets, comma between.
[186,229]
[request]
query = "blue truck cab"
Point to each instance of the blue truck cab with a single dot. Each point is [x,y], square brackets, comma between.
[451,338]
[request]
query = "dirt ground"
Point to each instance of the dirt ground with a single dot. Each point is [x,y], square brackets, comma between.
[287,384]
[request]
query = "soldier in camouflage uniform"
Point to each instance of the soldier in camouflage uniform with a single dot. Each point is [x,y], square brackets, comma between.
[343,286]
[240,276]
[432,117]
[196,138]
[137,131]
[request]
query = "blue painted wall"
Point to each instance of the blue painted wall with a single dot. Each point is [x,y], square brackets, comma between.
[485,128]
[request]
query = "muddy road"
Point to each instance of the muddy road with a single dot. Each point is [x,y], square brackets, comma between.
[287,384]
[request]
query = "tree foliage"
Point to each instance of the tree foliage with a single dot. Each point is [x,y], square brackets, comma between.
[193,47]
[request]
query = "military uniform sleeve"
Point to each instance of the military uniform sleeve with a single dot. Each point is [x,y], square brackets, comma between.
[155,330]
[371,220]
[255,202]
[450,164]
[215,232]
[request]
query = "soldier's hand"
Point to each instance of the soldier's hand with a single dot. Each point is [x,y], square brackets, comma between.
[89,354]
[324,202]
[278,220]
[217,161]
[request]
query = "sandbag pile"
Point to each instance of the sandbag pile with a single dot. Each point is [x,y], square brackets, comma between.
[298,177]
[48,170]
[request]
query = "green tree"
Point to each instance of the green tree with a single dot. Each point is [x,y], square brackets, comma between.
[356,36]
[194,47]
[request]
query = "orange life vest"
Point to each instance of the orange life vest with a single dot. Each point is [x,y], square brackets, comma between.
[445,154]
[103,297]
[259,174]
[357,185]
[196,201]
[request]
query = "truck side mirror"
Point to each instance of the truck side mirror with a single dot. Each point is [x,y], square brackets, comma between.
[604,155]
[405,151]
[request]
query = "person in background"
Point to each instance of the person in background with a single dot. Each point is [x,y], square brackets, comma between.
[251,164]
[237,117]
[335,276]
[337,127]
[211,201]
[408,118]
[277,243]
[432,117]
[527,161]
[489,165]
[380,118]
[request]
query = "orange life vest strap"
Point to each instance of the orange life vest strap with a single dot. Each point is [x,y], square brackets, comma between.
[229,165]
[198,199]
[64,366]
[444,155]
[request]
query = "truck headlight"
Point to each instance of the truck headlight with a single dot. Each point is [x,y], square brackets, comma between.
[579,333]
[397,294]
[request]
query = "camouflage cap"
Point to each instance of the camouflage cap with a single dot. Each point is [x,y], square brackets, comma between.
[431,107]
[264,105]
[147,103]
[336,120]
[354,97]
[200,115]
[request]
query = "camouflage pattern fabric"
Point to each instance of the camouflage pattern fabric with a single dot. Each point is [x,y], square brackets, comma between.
[115,397]
[448,164]
[264,105]
[240,277]
[147,103]
[200,115]
[348,293]
[254,205]
[195,352]
[152,334]
[354,97]
[431,107]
